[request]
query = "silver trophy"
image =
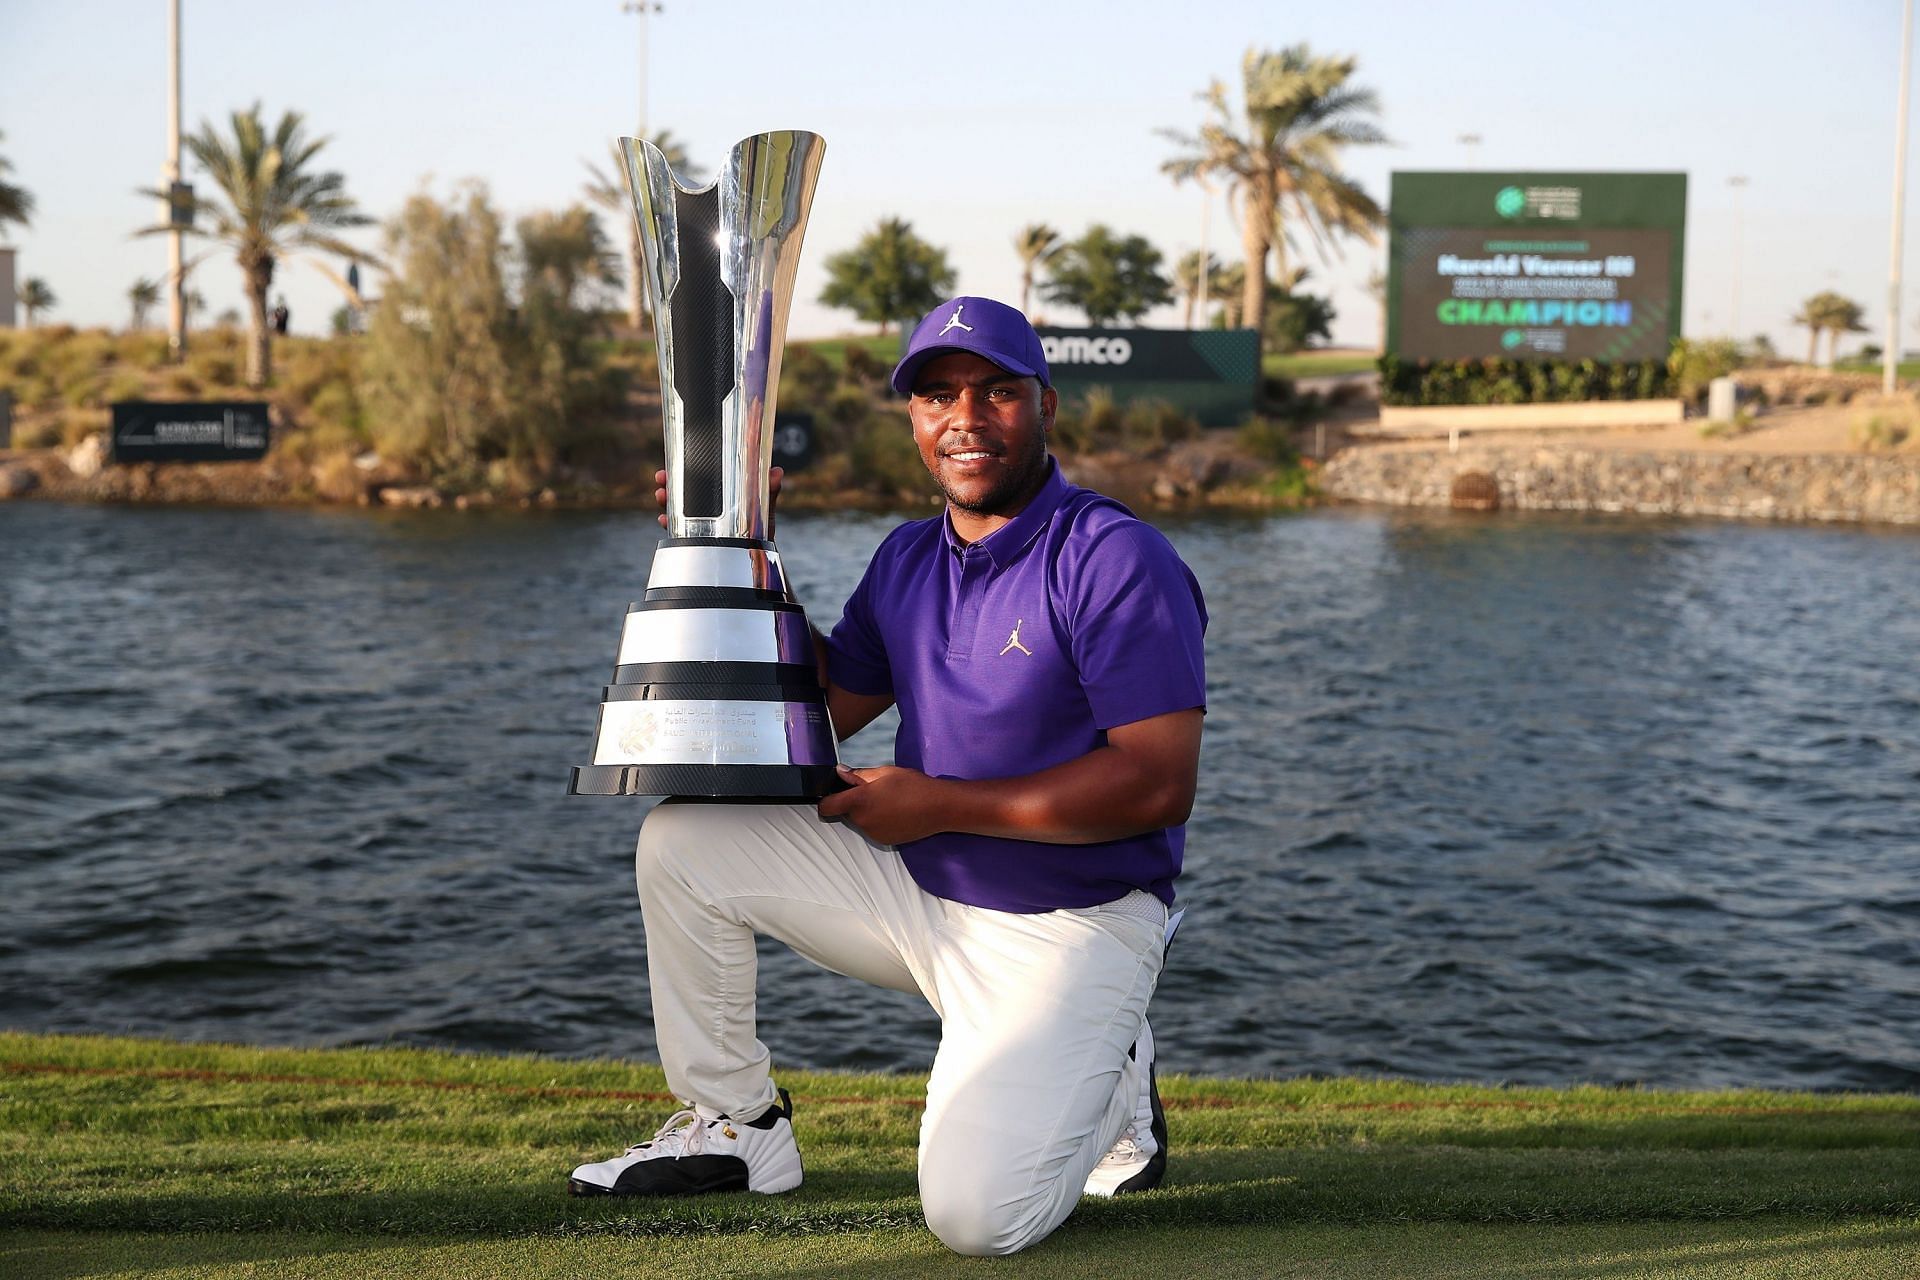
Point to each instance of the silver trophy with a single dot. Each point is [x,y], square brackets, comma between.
[716,693]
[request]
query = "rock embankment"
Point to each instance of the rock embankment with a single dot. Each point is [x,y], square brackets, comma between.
[1864,487]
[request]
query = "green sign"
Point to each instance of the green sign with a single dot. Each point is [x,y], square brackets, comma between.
[1535,265]
[1211,374]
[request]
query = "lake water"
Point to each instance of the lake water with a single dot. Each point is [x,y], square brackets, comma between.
[1534,799]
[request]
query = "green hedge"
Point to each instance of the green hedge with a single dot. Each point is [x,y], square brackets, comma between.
[1502,381]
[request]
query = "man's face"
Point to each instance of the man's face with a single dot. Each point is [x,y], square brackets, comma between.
[982,432]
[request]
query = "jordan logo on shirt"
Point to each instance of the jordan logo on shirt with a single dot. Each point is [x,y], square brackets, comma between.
[953,322]
[1013,641]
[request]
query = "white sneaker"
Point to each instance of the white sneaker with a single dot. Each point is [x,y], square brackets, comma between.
[695,1153]
[1138,1160]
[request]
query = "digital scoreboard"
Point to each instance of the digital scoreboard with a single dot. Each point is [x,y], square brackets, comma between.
[1562,266]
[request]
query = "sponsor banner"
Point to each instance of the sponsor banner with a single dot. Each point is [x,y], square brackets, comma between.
[157,431]
[1212,374]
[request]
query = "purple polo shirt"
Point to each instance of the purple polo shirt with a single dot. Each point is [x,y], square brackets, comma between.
[1018,653]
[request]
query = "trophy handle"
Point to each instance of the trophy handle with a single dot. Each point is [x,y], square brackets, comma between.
[720,263]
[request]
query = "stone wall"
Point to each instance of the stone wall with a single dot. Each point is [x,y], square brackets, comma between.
[1881,488]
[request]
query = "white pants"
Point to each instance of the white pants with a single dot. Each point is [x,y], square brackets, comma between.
[1032,1082]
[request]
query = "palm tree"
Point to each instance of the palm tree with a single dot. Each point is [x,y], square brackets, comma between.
[143,295]
[36,297]
[16,203]
[1809,315]
[1280,158]
[1037,244]
[1844,315]
[1233,294]
[1187,276]
[276,201]
[1830,313]
[610,193]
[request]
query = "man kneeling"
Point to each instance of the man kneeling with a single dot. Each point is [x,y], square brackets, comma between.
[1015,867]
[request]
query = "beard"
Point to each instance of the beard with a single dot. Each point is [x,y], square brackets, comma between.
[1011,492]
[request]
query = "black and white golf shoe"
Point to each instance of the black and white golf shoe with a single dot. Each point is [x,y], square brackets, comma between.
[1138,1160]
[695,1153]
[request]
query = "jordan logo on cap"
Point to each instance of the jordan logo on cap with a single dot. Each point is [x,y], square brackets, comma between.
[953,322]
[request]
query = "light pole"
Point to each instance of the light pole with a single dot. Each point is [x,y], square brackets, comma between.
[1471,141]
[170,174]
[642,8]
[1739,184]
[1206,246]
[1890,358]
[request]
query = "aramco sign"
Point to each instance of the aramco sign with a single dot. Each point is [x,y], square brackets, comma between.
[1212,374]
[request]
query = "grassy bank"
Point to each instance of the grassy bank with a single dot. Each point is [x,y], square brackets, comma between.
[1318,364]
[213,1159]
[344,434]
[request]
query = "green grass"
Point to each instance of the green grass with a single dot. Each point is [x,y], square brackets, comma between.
[219,1160]
[1904,370]
[886,350]
[1317,364]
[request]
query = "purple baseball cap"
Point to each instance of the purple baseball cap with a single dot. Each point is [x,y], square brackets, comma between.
[989,329]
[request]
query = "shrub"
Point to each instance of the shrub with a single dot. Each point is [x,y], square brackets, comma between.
[1498,380]
[1695,363]
[181,381]
[458,376]
[42,433]
[883,459]
[1886,428]
[864,367]
[1149,426]
[807,378]
[1269,441]
[77,424]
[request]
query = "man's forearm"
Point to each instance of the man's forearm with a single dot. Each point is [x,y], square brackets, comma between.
[1108,794]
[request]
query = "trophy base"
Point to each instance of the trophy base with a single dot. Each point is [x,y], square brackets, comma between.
[730,783]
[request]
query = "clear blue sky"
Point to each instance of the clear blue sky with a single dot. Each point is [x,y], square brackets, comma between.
[971,120]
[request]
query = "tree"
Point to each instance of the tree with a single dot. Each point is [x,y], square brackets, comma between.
[1831,313]
[1187,275]
[460,377]
[1844,316]
[1107,276]
[16,203]
[1280,158]
[610,193]
[276,201]
[1233,294]
[1295,318]
[35,297]
[1810,316]
[1036,243]
[566,254]
[143,295]
[892,274]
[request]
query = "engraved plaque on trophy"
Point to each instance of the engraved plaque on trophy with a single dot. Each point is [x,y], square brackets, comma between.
[716,693]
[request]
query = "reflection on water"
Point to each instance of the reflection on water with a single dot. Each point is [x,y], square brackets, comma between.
[1527,798]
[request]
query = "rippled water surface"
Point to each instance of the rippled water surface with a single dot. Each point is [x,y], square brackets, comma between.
[1533,799]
